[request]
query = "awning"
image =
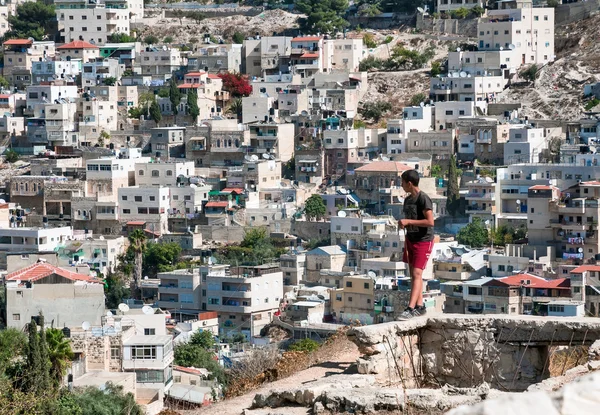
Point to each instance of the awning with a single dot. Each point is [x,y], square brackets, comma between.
[233,190]
[307,161]
[217,204]
[136,223]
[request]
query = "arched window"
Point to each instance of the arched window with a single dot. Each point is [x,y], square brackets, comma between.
[169,172]
[141,172]
[237,142]
[218,142]
[155,173]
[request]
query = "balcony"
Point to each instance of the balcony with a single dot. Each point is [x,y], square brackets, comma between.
[573,240]
[376,249]
[229,294]
[478,209]
[452,275]
[482,140]
[574,226]
[480,196]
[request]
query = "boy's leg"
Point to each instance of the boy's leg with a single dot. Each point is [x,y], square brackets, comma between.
[416,291]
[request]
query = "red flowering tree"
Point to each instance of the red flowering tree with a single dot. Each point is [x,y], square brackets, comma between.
[237,84]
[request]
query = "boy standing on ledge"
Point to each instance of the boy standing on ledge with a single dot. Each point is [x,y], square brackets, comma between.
[418,242]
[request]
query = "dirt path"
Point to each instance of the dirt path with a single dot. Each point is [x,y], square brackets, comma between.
[235,406]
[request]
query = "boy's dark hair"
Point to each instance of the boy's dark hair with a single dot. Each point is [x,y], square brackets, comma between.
[411,176]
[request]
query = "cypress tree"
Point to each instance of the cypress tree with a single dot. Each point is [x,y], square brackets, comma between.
[155,113]
[44,378]
[32,373]
[453,201]
[174,94]
[192,102]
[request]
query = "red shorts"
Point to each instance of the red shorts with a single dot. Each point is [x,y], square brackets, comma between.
[416,254]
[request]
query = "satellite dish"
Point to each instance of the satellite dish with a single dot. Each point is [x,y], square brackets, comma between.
[109,313]
[247,158]
[372,274]
[458,49]
[31,39]
[580,250]
[385,159]
[518,201]
[304,113]
[146,277]
[288,119]
[86,325]
[501,48]
[463,74]
[123,307]
[511,46]
[421,104]
[147,310]
[254,157]
[266,156]
[420,10]
[342,214]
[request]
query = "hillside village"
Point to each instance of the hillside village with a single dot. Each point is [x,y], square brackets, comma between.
[200,199]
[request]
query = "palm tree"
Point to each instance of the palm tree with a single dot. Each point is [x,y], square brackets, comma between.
[137,240]
[60,354]
[235,107]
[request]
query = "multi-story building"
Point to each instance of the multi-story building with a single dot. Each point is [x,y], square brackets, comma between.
[481,198]
[96,22]
[326,258]
[464,264]
[354,300]
[268,55]
[160,62]
[216,58]
[78,50]
[528,31]
[447,6]
[64,297]
[414,119]
[167,142]
[147,204]
[11,126]
[19,54]
[33,239]
[307,56]
[97,71]
[525,145]
[343,54]
[245,301]
[150,358]
[162,173]
[180,292]
[272,139]
[293,266]
[460,86]
[482,139]
[47,71]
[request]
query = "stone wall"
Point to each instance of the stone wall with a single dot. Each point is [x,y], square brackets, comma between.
[569,13]
[311,230]
[463,27]
[509,353]
[221,233]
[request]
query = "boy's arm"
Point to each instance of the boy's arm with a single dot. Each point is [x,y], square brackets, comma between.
[428,222]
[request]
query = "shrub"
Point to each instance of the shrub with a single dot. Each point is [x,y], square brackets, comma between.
[375,110]
[151,40]
[369,40]
[530,73]
[304,345]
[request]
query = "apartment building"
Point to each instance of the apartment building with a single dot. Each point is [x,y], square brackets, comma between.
[64,297]
[78,50]
[414,119]
[326,258]
[162,173]
[246,299]
[482,139]
[11,126]
[34,239]
[19,54]
[179,291]
[528,31]
[160,62]
[269,55]
[376,175]
[39,95]
[462,265]
[96,116]
[167,142]
[255,175]
[293,268]
[79,20]
[145,204]
[260,108]
[96,71]
[460,86]
[105,176]
[525,145]
[47,71]
[151,359]
[272,139]
[61,123]
[354,300]
[343,54]
[481,198]
[585,282]
[307,56]
[309,165]
[216,58]
[481,62]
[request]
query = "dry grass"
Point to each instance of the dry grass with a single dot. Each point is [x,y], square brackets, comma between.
[563,359]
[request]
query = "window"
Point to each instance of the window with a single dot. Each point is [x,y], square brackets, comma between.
[16,317]
[366,285]
[123,197]
[557,308]
[149,332]
[126,211]
[349,284]
[501,268]
[137,198]
[169,172]
[155,173]
[354,228]
[141,172]
[115,352]
[536,18]
[149,376]
[350,299]
[143,352]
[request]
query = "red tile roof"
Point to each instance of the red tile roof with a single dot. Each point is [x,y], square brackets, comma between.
[306,39]
[18,42]
[310,55]
[4,96]
[542,187]
[217,204]
[537,282]
[191,370]
[136,223]
[233,190]
[182,86]
[592,183]
[77,44]
[195,73]
[585,268]
[41,270]
[384,166]
[213,76]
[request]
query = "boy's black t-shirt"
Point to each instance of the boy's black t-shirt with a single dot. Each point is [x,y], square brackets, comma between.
[414,208]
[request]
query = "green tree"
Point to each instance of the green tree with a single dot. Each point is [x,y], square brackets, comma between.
[304,345]
[13,343]
[314,207]
[322,16]
[436,171]
[453,200]
[34,364]
[120,37]
[369,40]
[436,69]
[461,13]
[196,16]
[477,11]
[59,353]
[375,110]
[43,381]
[191,355]
[192,104]
[204,339]
[238,38]
[155,113]
[111,400]
[151,40]
[530,73]
[160,257]
[174,95]
[115,289]
[235,107]
[137,243]
[475,234]
[168,39]
[4,84]
[11,156]
[110,81]
[32,19]
[553,3]
[417,99]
